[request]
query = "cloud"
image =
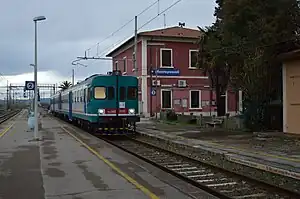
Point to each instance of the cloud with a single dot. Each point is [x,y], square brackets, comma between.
[44,78]
[72,26]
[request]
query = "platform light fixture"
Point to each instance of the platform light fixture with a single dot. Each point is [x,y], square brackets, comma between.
[36,19]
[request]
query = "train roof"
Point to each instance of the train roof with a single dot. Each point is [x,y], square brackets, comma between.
[90,79]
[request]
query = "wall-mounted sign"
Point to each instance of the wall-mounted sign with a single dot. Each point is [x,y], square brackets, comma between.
[166,72]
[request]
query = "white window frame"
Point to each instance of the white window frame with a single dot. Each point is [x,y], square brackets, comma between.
[200,100]
[161,99]
[190,58]
[170,49]
[125,67]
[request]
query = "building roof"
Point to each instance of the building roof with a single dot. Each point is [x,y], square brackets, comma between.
[173,32]
[294,54]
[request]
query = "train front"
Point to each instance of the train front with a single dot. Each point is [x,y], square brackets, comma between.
[118,109]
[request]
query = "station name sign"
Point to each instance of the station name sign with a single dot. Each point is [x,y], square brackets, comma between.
[166,72]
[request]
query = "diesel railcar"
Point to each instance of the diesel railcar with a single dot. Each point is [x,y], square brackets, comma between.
[102,103]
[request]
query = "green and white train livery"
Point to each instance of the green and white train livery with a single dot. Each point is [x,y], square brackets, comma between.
[105,103]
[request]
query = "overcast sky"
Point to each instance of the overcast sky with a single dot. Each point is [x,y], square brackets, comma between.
[72,26]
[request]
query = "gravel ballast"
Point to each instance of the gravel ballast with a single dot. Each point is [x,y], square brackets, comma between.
[220,160]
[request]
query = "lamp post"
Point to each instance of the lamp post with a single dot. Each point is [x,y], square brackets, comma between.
[36,19]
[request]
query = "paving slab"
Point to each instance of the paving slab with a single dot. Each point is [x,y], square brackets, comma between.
[59,166]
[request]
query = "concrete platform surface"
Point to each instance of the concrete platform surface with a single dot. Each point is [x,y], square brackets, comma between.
[281,153]
[61,166]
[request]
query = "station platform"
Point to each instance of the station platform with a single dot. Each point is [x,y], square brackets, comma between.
[275,153]
[67,163]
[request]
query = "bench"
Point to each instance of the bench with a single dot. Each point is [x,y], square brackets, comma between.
[214,123]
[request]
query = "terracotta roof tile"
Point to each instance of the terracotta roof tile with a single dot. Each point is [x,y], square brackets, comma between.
[173,32]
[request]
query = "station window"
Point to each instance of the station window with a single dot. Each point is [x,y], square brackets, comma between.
[193,58]
[110,93]
[100,93]
[195,99]
[132,93]
[166,57]
[122,93]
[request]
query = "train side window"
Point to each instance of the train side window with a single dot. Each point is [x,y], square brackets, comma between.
[122,93]
[132,93]
[80,95]
[110,93]
[88,95]
[91,94]
[100,93]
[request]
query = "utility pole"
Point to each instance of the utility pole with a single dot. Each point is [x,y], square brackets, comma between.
[156,63]
[73,76]
[7,102]
[135,46]
[165,24]
[151,87]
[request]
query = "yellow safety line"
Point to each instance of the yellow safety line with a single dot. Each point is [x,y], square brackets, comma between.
[111,165]
[6,130]
[251,151]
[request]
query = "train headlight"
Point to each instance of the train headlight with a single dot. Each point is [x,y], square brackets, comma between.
[131,111]
[100,111]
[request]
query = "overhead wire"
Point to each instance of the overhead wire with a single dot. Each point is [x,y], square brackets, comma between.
[149,21]
[159,13]
[123,26]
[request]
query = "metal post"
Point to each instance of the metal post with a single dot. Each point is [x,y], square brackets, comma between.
[156,63]
[73,76]
[36,84]
[7,100]
[135,46]
[36,19]
[151,87]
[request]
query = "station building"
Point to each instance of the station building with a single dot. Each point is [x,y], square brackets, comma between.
[291,91]
[168,77]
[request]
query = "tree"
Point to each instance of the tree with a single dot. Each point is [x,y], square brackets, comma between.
[249,36]
[213,62]
[65,85]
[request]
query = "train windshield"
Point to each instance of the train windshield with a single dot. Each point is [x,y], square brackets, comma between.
[132,93]
[100,93]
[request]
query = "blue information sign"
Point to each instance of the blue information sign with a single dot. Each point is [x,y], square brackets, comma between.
[153,92]
[29,85]
[166,72]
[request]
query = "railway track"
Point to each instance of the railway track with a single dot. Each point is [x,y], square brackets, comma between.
[218,182]
[4,117]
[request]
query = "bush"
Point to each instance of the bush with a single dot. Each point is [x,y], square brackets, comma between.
[171,115]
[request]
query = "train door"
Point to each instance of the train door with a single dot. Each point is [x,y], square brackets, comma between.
[70,104]
[121,95]
[84,99]
[59,102]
